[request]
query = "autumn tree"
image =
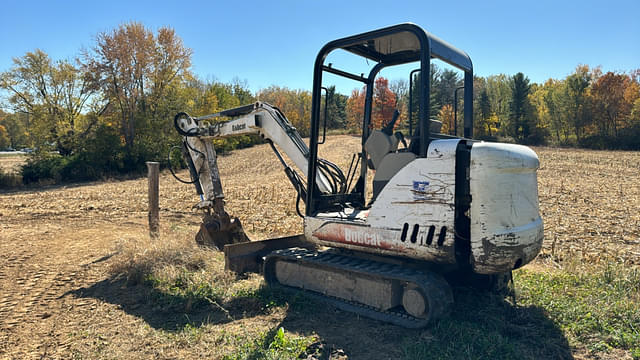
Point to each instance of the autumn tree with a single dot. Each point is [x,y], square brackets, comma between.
[355,109]
[52,93]
[135,69]
[610,104]
[295,104]
[632,95]
[384,103]
[446,117]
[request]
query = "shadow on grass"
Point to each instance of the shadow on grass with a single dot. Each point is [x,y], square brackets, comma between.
[481,325]
[173,312]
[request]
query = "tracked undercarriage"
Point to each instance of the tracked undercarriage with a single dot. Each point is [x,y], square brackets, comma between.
[378,290]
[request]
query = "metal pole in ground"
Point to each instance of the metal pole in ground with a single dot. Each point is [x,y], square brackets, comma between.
[154,207]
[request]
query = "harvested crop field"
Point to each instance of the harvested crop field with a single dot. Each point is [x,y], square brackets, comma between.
[80,278]
[11,162]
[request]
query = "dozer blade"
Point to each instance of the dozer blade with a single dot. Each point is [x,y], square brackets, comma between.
[216,232]
[249,257]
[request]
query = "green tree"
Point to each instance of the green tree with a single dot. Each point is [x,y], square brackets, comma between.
[499,91]
[336,105]
[15,124]
[242,92]
[485,105]
[4,138]
[434,99]
[576,100]
[444,86]
[552,92]
[635,113]
[484,112]
[518,106]
[53,94]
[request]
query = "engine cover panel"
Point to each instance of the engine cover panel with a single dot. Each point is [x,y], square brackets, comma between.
[506,226]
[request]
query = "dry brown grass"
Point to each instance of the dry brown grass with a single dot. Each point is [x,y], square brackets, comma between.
[163,258]
[74,259]
[590,203]
[12,162]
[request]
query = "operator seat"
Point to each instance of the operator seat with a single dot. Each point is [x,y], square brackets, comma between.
[385,158]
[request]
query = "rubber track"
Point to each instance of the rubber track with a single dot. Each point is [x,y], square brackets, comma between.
[434,285]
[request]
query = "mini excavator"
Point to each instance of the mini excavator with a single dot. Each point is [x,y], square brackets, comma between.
[443,207]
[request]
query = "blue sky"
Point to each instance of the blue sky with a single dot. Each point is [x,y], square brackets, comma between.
[275,42]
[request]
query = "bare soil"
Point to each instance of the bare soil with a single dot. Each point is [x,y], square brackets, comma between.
[58,245]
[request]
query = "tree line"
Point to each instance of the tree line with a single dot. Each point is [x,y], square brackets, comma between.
[110,109]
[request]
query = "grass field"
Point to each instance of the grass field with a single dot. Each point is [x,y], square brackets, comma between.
[80,278]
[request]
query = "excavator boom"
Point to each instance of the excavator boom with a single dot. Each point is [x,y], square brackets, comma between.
[218,228]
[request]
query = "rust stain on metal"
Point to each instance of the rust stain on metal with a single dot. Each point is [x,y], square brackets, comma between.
[358,235]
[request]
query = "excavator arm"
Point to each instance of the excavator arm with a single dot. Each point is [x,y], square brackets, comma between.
[218,228]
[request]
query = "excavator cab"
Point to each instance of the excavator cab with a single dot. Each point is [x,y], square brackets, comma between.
[387,47]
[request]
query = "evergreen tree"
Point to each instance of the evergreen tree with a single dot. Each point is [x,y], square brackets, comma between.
[518,106]
[485,112]
[336,109]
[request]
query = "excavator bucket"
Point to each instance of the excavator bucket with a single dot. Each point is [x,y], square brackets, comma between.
[218,231]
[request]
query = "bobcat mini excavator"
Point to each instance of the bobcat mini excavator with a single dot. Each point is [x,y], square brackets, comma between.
[443,207]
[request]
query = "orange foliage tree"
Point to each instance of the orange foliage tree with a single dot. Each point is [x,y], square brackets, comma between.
[384,104]
[355,109]
[295,104]
[613,96]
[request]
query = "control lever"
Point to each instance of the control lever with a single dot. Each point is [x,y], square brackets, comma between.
[388,129]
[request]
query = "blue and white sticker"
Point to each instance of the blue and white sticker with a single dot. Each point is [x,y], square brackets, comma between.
[420,190]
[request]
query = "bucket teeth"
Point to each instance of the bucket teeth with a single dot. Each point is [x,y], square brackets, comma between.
[216,232]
